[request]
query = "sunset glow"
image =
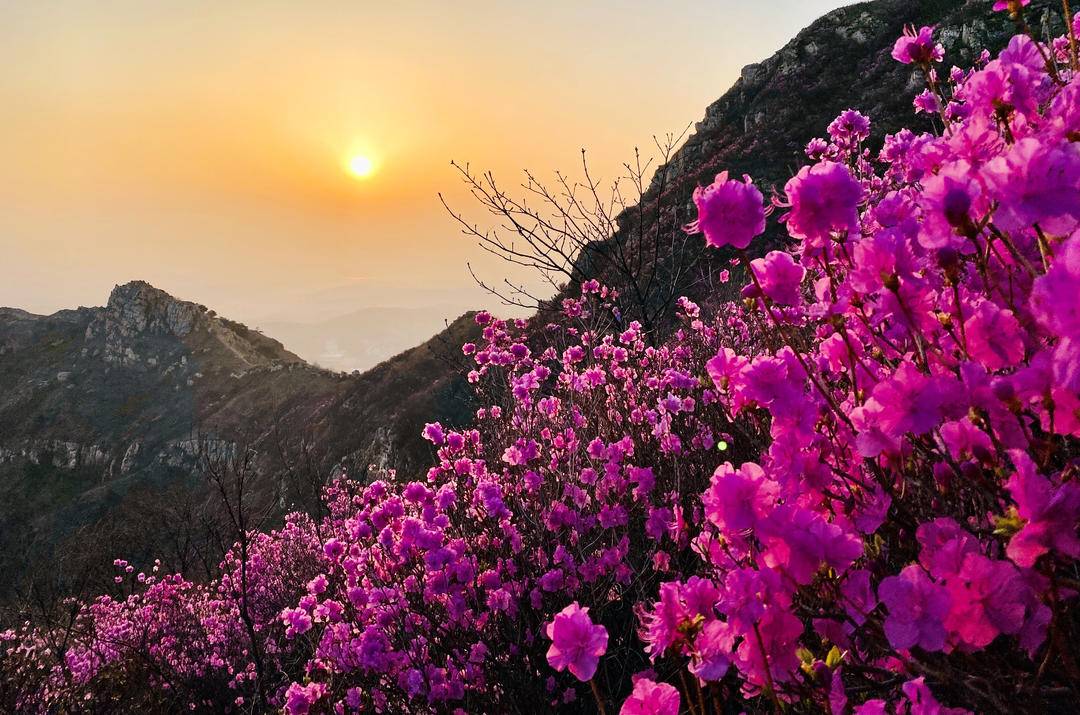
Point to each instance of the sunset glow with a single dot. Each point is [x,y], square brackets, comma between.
[265,131]
[361,167]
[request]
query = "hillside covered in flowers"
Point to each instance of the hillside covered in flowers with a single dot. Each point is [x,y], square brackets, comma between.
[856,489]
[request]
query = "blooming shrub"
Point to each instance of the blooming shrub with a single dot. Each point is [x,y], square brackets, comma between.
[856,490]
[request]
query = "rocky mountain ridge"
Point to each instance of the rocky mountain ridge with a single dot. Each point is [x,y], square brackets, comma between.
[98,404]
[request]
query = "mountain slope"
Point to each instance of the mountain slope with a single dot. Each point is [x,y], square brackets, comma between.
[762,124]
[101,405]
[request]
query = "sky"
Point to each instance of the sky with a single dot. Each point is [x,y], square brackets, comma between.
[204,146]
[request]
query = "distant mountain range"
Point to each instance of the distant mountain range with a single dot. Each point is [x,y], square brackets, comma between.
[101,406]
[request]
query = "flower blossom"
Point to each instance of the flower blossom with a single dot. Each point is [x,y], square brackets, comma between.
[651,698]
[780,276]
[917,608]
[823,198]
[730,212]
[917,47]
[576,642]
[1050,514]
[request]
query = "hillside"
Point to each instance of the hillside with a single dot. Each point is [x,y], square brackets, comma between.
[762,124]
[104,407]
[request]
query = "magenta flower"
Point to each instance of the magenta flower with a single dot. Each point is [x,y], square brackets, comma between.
[1051,514]
[945,545]
[300,698]
[917,47]
[779,634]
[738,499]
[780,276]
[851,126]
[824,198]
[994,338]
[713,651]
[948,200]
[911,402]
[922,702]
[297,621]
[1010,5]
[917,608]
[433,432]
[576,643]
[1049,296]
[651,698]
[1039,183]
[927,102]
[987,598]
[730,213]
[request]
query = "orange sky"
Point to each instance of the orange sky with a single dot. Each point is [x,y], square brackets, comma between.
[201,145]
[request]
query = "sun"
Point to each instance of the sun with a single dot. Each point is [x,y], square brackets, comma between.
[360,166]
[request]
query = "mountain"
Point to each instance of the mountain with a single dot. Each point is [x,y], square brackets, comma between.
[101,408]
[358,340]
[843,60]
[763,123]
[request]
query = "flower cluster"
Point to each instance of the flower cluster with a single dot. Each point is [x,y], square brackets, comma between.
[857,489]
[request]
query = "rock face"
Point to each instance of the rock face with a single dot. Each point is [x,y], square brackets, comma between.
[103,406]
[761,125]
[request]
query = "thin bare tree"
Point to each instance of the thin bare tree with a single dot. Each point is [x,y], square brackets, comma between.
[629,235]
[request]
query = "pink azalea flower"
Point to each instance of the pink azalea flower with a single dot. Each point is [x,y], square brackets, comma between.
[779,634]
[1051,514]
[297,621]
[917,608]
[850,127]
[730,213]
[987,598]
[737,499]
[1039,183]
[651,698]
[910,402]
[1049,296]
[713,651]
[724,367]
[922,702]
[947,201]
[927,102]
[799,540]
[823,198]
[300,698]
[993,336]
[1010,5]
[433,432]
[576,642]
[945,545]
[780,276]
[917,47]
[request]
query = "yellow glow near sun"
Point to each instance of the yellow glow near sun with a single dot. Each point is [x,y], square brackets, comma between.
[361,166]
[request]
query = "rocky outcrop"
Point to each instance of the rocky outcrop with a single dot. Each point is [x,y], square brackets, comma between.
[841,61]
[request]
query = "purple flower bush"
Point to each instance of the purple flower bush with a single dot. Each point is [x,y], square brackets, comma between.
[856,490]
